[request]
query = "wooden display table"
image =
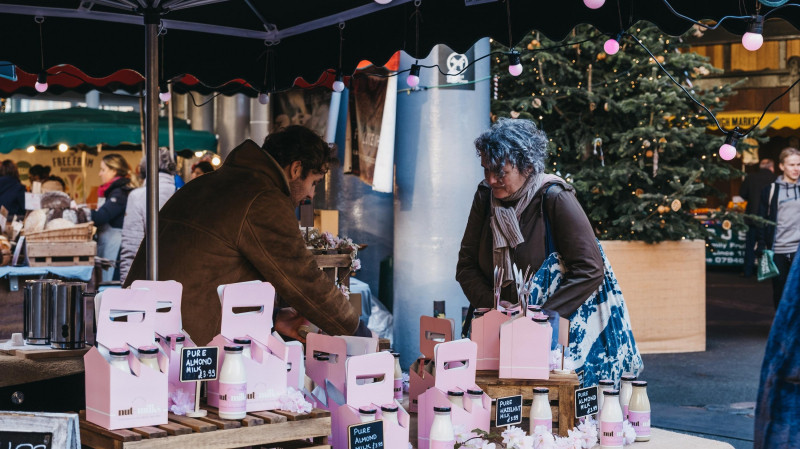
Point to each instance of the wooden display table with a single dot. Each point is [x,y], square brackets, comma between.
[562,395]
[256,429]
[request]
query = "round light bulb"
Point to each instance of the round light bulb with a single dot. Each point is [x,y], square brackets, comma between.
[263,98]
[215,160]
[594,4]
[752,41]
[165,96]
[30,149]
[40,87]
[412,80]
[383,2]
[338,86]
[515,70]
[727,152]
[62,147]
[611,46]
[198,154]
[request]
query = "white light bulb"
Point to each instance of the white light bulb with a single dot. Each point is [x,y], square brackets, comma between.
[611,46]
[338,86]
[198,154]
[412,80]
[752,41]
[215,160]
[727,152]
[263,98]
[515,70]
[40,87]
[594,4]
[30,149]
[383,2]
[62,147]
[165,96]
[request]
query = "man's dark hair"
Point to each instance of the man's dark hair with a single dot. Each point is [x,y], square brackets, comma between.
[59,180]
[39,171]
[204,167]
[298,143]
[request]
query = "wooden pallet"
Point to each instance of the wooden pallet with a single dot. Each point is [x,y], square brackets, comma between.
[39,354]
[275,428]
[60,254]
[562,395]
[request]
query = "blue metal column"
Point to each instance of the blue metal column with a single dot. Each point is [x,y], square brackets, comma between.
[437,174]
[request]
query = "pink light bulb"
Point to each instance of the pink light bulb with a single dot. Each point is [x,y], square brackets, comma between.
[727,152]
[752,41]
[412,80]
[338,86]
[164,96]
[594,4]
[515,70]
[40,87]
[611,46]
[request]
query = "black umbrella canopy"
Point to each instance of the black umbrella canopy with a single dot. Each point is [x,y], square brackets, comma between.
[217,40]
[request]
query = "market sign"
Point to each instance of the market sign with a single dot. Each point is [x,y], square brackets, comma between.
[724,247]
[509,411]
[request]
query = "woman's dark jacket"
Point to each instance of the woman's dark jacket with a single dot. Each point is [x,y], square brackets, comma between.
[574,240]
[12,195]
[113,210]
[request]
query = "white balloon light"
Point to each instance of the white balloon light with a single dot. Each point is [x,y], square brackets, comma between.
[263,98]
[62,147]
[41,82]
[754,38]
[338,85]
[413,76]
[514,63]
[594,4]
[728,149]
[611,46]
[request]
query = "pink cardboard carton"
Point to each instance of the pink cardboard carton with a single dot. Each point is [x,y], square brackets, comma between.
[486,334]
[325,363]
[525,349]
[169,321]
[247,313]
[369,382]
[455,370]
[116,399]
[432,331]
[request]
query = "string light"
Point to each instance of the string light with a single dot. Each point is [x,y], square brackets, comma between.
[728,149]
[215,161]
[41,82]
[338,85]
[611,46]
[413,76]
[514,63]
[199,153]
[163,92]
[594,4]
[263,98]
[30,149]
[753,38]
[62,147]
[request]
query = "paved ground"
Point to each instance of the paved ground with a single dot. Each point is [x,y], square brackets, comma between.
[712,393]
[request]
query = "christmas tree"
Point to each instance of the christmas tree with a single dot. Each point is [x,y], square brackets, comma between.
[634,146]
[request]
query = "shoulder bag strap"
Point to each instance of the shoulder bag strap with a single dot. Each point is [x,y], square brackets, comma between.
[549,242]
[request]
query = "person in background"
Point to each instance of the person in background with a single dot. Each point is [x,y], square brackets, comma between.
[12,192]
[39,173]
[54,183]
[115,187]
[201,168]
[133,227]
[780,202]
[751,189]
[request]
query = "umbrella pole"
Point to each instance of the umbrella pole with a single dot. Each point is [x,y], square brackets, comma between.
[151,21]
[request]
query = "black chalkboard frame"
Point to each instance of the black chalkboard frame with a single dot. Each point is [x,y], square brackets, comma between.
[375,427]
[195,376]
[517,400]
[583,411]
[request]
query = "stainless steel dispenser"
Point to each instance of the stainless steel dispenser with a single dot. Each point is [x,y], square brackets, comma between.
[35,305]
[66,315]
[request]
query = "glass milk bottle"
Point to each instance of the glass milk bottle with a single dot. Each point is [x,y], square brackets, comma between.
[175,342]
[611,436]
[625,391]
[148,355]
[476,397]
[398,377]
[442,435]
[367,413]
[639,411]
[232,385]
[245,344]
[389,414]
[541,414]
[456,398]
[603,385]
[119,359]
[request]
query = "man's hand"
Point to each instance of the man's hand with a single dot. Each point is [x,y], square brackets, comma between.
[288,323]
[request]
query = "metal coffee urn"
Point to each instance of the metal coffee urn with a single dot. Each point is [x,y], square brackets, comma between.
[66,315]
[35,304]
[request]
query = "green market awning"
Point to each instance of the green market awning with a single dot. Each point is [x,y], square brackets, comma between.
[79,127]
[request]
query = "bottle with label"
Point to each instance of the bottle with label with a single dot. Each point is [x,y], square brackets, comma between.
[541,414]
[611,435]
[245,344]
[476,397]
[398,377]
[456,397]
[639,411]
[367,413]
[625,391]
[389,414]
[148,355]
[442,435]
[233,385]
[603,385]
[119,359]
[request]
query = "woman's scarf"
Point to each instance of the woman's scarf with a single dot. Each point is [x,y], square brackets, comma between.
[504,222]
[101,191]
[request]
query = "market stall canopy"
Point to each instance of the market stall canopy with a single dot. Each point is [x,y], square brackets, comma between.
[91,127]
[218,41]
[783,124]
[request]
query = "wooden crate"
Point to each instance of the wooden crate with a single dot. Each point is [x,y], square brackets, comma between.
[60,254]
[79,233]
[277,429]
[562,395]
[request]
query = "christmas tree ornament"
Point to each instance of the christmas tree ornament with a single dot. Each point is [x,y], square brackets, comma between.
[649,153]
[646,144]
[726,225]
[639,192]
[536,103]
[676,205]
[605,106]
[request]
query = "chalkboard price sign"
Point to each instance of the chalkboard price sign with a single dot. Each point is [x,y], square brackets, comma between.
[199,363]
[365,436]
[586,402]
[508,411]
[25,440]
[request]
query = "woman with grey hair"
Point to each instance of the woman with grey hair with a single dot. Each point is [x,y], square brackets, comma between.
[133,227]
[523,217]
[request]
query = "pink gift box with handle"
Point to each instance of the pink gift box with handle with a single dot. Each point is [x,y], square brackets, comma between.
[369,382]
[525,349]
[116,399]
[330,374]
[169,321]
[432,331]
[247,313]
[455,370]
[486,334]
